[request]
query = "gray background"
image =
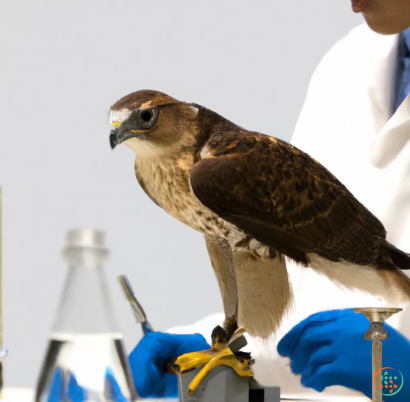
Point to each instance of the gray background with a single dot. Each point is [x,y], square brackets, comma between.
[62,64]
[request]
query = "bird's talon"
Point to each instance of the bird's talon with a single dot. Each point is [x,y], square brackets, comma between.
[188,370]
[243,356]
[219,338]
[173,368]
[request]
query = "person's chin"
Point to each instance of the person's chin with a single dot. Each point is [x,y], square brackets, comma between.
[387,26]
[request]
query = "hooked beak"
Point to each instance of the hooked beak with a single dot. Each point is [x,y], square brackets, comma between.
[128,129]
[137,125]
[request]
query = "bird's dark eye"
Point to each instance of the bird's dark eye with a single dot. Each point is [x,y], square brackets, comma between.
[146,116]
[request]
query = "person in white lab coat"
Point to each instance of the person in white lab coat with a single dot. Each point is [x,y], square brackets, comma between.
[355,122]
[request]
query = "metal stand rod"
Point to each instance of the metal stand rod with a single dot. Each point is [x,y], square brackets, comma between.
[377,365]
[377,333]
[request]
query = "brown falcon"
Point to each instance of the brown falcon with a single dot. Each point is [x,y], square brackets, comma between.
[257,200]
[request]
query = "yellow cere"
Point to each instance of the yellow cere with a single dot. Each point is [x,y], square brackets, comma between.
[115,123]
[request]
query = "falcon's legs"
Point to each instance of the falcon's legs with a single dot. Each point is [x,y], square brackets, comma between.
[264,292]
[260,285]
[230,326]
[223,265]
[226,342]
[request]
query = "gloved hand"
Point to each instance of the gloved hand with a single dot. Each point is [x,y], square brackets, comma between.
[148,358]
[329,348]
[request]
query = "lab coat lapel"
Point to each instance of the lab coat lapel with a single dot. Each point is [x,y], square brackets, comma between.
[392,138]
[381,88]
[391,132]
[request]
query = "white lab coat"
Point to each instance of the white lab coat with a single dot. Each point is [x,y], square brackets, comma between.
[346,125]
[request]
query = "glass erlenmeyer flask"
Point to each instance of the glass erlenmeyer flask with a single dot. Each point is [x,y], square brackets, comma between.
[86,359]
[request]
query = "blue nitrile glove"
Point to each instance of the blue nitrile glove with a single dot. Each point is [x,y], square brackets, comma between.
[148,358]
[75,393]
[329,348]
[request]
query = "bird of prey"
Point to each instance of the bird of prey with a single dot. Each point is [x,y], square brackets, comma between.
[258,200]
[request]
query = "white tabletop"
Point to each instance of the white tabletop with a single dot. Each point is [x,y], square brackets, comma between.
[301,398]
[27,395]
[17,395]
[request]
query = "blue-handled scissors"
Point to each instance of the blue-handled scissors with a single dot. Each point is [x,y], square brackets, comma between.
[136,308]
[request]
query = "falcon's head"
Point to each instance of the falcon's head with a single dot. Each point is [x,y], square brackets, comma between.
[153,123]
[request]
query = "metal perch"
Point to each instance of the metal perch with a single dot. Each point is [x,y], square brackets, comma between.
[377,333]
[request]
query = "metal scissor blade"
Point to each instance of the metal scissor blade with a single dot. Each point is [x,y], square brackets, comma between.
[136,308]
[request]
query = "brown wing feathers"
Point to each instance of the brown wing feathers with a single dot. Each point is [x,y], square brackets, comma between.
[285,199]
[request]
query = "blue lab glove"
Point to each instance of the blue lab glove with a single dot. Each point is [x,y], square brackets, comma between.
[148,359]
[329,348]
